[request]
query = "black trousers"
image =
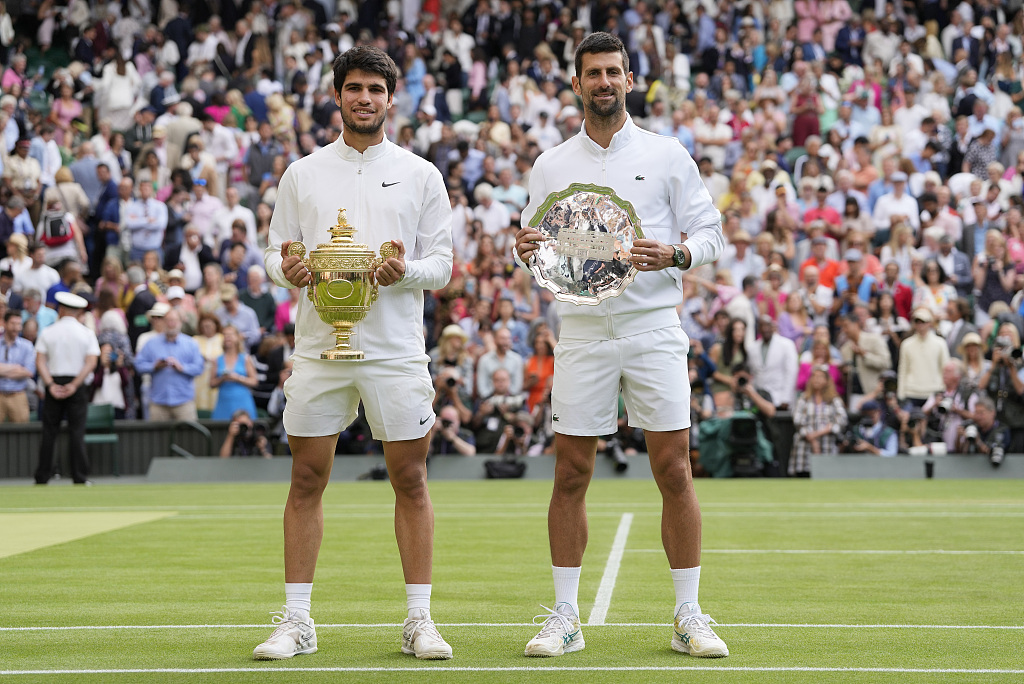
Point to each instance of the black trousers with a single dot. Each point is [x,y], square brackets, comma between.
[75,409]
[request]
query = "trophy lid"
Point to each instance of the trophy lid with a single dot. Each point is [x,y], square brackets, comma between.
[342,241]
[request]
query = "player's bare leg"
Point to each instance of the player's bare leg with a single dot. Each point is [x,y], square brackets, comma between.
[295,633]
[567,535]
[414,531]
[681,536]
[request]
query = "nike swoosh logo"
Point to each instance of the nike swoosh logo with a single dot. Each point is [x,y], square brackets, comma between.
[425,420]
[388,185]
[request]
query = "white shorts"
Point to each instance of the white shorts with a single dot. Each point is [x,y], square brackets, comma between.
[651,369]
[323,397]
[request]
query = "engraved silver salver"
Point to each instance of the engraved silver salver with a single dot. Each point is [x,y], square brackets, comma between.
[588,231]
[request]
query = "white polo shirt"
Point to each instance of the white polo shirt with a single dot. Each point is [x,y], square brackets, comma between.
[66,344]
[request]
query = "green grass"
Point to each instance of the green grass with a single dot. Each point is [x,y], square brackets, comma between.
[217,561]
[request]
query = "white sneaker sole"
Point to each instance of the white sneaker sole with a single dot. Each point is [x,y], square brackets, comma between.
[540,651]
[271,655]
[678,645]
[438,654]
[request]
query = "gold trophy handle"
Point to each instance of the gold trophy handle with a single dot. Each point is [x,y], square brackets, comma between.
[298,249]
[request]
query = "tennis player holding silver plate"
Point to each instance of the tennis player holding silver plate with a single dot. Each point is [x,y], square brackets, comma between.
[629,339]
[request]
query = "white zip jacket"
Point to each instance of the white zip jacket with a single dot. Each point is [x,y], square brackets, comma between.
[390,194]
[659,178]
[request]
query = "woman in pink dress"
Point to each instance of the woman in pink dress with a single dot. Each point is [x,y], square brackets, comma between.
[833,15]
[64,110]
[807,13]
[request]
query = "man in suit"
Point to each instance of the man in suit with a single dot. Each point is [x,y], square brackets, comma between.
[970,45]
[866,356]
[959,314]
[434,95]
[850,40]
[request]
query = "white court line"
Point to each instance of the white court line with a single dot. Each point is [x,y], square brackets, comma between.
[535,668]
[374,625]
[611,571]
[854,552]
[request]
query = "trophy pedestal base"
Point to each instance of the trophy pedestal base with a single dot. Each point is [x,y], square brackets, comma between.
[342,355]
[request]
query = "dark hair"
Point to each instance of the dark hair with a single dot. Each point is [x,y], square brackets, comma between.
[366,58]
[934,262]
[600,42]
[11,313]
[729,347]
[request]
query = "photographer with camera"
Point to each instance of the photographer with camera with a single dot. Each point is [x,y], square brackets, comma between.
[872,435]
[515,437]
[451,369]
[449,437]
[946,410]
[865,357]
[245,438]
[496,412]
[984,435]
[1003,382]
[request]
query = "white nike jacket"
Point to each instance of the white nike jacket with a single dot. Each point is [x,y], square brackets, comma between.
[659,178]
[390,194]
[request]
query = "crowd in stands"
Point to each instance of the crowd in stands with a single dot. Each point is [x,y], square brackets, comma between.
[867,159]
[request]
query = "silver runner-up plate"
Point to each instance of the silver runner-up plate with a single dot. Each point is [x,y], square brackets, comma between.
[584,255]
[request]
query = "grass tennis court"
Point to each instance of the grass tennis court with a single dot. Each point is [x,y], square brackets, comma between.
[810,581]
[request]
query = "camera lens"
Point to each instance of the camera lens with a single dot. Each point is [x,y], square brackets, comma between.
[445,423]
[741,381]
[518,431]
[450,382]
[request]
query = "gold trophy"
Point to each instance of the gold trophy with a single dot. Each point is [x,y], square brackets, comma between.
[342,288]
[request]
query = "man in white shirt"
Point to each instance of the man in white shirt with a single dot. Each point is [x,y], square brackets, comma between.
[897,205]
[716,183]
[712,136]
[774,363]
[219,142]
[740,260]
[39,277]
[66,354]
[205,210]
[406,210]
[234,210]
[493,215]
[502,356]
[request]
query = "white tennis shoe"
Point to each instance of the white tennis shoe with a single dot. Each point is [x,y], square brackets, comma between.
[561,633]
[421,638]
[292,637]
[693,634]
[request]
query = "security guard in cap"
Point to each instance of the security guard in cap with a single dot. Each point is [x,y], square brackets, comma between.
[66,354]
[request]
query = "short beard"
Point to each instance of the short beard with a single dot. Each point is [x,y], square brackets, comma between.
[363,129]
[609,111]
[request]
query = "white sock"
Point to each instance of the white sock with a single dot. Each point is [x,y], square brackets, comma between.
[686,581]
[297,598]
[567,586]
[417,597]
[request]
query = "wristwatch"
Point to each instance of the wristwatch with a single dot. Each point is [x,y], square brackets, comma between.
[678,257]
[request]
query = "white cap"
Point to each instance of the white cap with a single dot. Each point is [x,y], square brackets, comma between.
[70,300]
[175,292]
[159,310]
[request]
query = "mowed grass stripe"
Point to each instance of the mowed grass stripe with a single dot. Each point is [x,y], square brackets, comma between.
[537,668]
[376,625]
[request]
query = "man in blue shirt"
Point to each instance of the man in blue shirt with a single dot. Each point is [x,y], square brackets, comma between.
[233,312]
[43,315]
[855,286]
[17,367]
[70,274]
[174,360]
